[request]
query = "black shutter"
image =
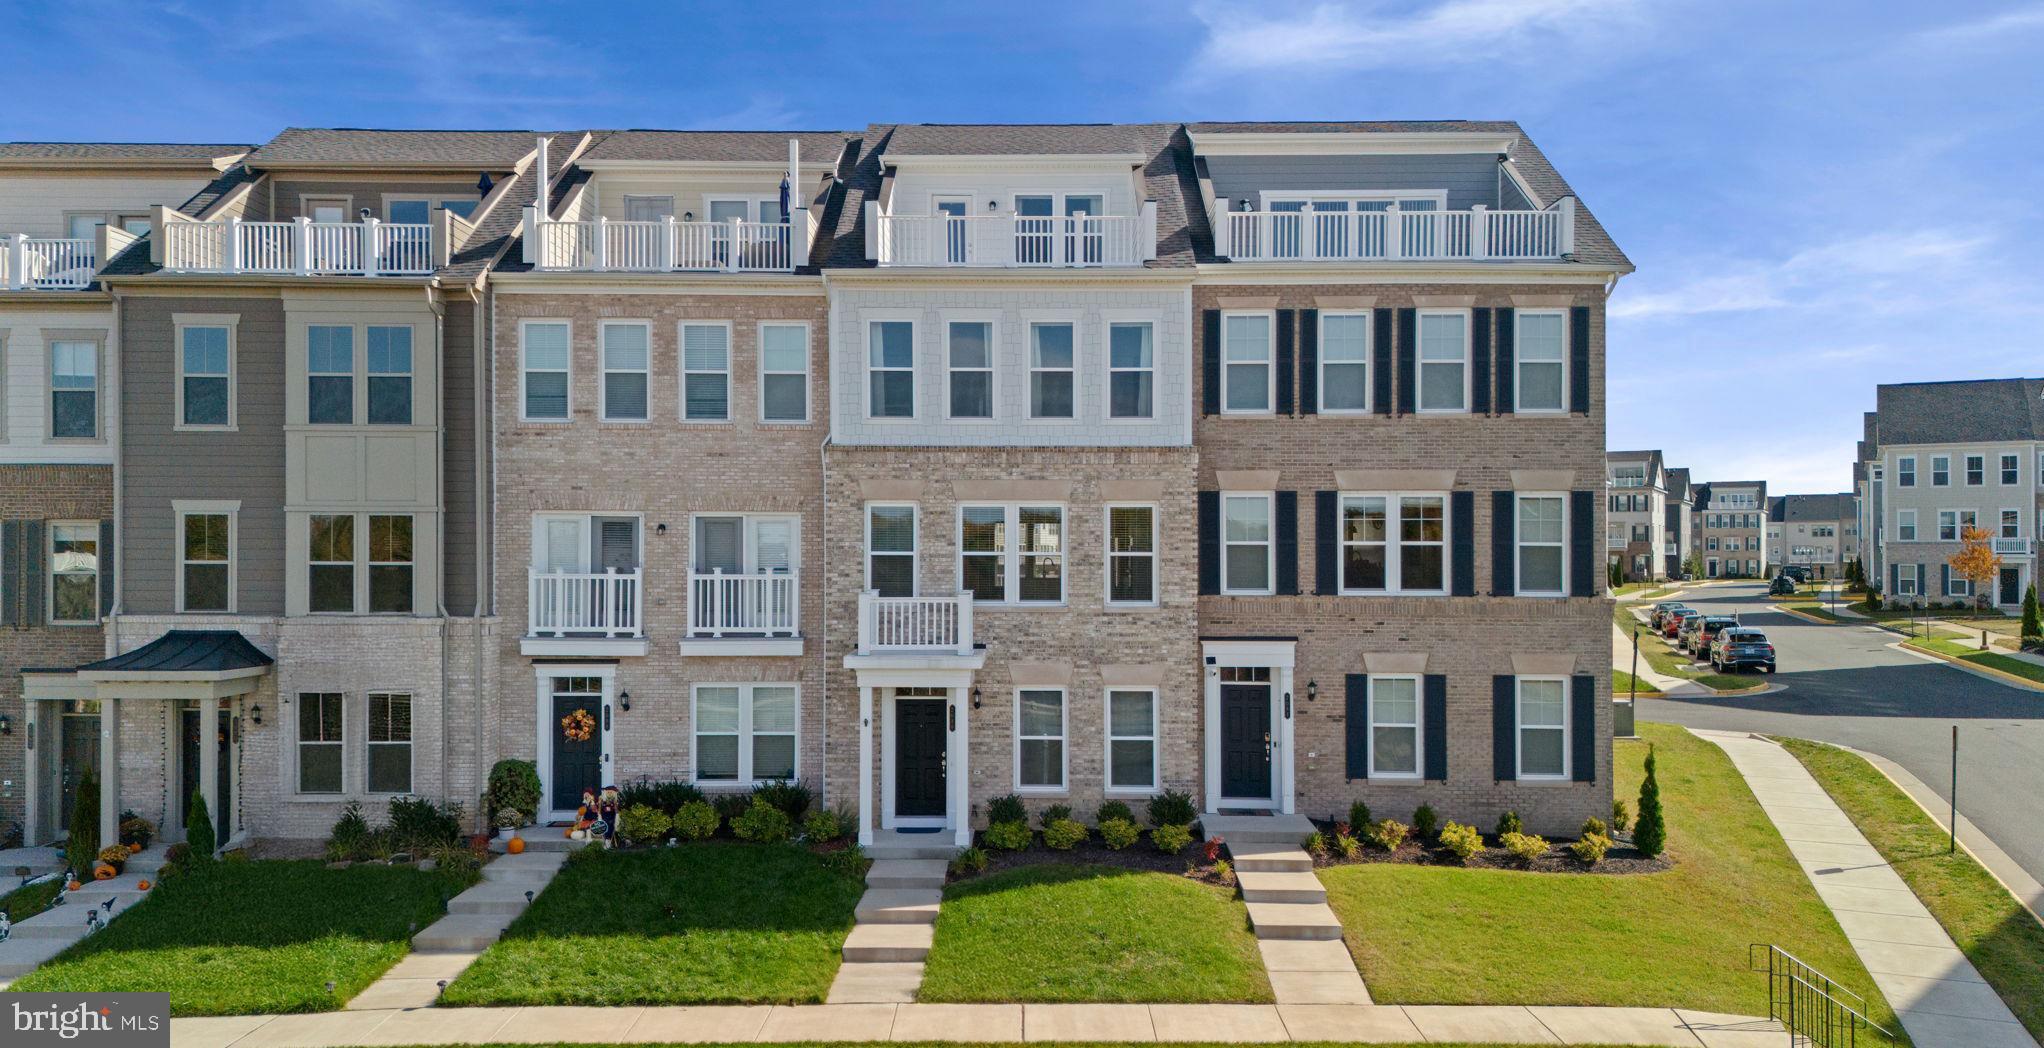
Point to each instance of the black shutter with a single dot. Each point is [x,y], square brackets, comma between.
[1894,580]
[1209,542]
[1287,319]
[1505,345]
[1582,696]
[10,573]
[1479,361]
[1945,580]
[1408,360]
[1462,510]
[1504,742]
[106,567]
[1579,359]
[1309,362]
[1504,526]
[1288,543]
[1436,717]
[1210,362]
[1583,545]
[1326,544]
[34,576]
[1358,727]
[1919,580]
[1380,367]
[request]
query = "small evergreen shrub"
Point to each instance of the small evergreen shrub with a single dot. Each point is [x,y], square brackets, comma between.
[762,824]
[1119,833]
[643,824]
[847,862]
[822,827]
[1358,814]
[514,784]
[2033,626]
[971,861]
[696,821]
[1224,871]
[1509,823]
[419,826]
[1012,835]
[1347,846]
[731,805]
[1524,847]
[791,797]
[1426,823]
[1590,848]
[199,830]
[1463,842]
[1114,810]
[1594,827]
[1064,834]
[1650,833]
[1621,815]
[1315,844]
[1171,838]
[349,839]
[1388,834]
[457,867]
[667,796]
[1056,813]
[1006,809]
[81,849]
[1172,808]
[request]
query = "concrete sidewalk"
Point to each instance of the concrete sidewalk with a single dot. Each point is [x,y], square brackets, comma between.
[748,1024]
[1621,659]
[1935,991]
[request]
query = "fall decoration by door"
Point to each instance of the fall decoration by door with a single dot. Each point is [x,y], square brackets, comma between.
[578,726]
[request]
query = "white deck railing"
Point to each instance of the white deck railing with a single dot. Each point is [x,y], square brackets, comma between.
[904,624]
[606,603]
[1477,235]
[1012,241]
[760,604]
[45,263]
[302,247]
[2016,546]
[668,246]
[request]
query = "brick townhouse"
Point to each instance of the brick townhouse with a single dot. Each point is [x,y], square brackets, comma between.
[1641,507]
[924,463]
[1729,528]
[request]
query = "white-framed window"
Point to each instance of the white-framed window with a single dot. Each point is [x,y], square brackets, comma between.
[1443,360]
[205,382]
[1344,378]
[1132,555]
[1958,587]
[2011,524]
[745,733]
[1012,554]
[1248,546]
[390,742]
[1976,470]
[1040,739]
[1940,471]
[1905,581]
[74,390]
[648,208]
[1132,740]
[1542,359]
[206,571]
[1905,471]
[321,728]
[1053,389]
[969,365]
[2011,469]
[330,563]
[1131,370]
[1395,711]
[1543,714]
[891,548]
[73,560]
[891,369]
[390,564]
[330,375]
[390,375]
[543,370]
[1248,377]
[627,369]
[1394,542]
[784,371]
[1542,537]
[706,371]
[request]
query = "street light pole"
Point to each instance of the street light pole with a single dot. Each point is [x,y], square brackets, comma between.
[1952,841]
[1633,689]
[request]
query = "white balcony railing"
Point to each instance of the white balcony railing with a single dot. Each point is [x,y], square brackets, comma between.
[1011,241]
[755,605]
[915,624]
[302,247]
[668,246]
[45,264]
[1477,235]
[2015,546]
[601,604]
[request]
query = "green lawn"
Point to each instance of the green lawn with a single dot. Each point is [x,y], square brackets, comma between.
[30,899]
[1436,935]
[1662,656]
[1969,651]
[1622,683]
[1092,933]
[1999,936]
[703,924]
[243,938]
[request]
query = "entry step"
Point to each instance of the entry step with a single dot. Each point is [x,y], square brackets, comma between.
[907,873]
[1293,920]
[1259,886]
[1257,829]
[465,933]
[889,942]
[1250,857]
[899,906]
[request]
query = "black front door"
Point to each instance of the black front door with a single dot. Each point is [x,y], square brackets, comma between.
[578,763]
[78,757]
[2011,586]
[188,771]
[919,742]
[1245,740]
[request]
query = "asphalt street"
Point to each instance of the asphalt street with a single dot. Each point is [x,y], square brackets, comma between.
[1847,685]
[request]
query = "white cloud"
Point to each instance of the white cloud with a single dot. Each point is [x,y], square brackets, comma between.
[1351,36]
[1882,271]
[1995,28]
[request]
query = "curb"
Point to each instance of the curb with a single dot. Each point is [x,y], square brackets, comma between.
[1806,617]
[1975,668]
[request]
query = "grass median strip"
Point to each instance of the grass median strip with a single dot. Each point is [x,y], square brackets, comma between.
[2001,937]
[1669,663]
[1623,683]
[1967,651]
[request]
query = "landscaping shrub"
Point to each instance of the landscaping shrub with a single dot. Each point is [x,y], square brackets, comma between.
[1358,815]
[83,846]
[1172,808]
[1006,809]
[1388,834]
[731,805]
[762,824]
[1621,815]
[458,867]
[1224,871]
[1590,848]
[349,838]
[973,860]
[1594,827]
[418,826]
[1064,834]
[1118,833]
[1113,810]
[1315,843]
[1426,823]
[848,862]
[697,821]
[667,796]
[1347,846]
[514,784]
[176,858]
[2033,629]
[791,797]
[1171,838]
[1524,847]
[1509,823]
[136,830]
[1212,848]
[1650,833]
[643,824]
[1056,813]
[199,830]
[1463,842]
[1011,835]
[822,827]
[1873,600]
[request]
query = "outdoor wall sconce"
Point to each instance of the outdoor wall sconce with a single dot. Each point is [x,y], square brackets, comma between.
[624,701]
[975,697]
[255,713]
[1312,690]
[660,529]
[6,724]
[688,216]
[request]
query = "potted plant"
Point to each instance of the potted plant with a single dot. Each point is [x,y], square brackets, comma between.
[509,820]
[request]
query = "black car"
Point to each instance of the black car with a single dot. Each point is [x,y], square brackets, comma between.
[1783,585]
[1798,572]
[1740,647]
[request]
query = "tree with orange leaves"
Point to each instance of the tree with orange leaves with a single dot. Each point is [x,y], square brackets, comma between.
[1976,562]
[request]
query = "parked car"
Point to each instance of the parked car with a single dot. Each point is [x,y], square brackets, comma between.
[1671,627]
[1738,647]
[1798,572]
[1697,635]
[1661,611]
[1783,585]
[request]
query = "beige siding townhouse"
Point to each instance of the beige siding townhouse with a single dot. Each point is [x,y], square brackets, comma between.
[1729,528]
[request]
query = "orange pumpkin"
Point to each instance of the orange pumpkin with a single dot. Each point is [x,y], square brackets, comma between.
[74,885]
[142,885]
[516,845]
[103,872]
[134,849]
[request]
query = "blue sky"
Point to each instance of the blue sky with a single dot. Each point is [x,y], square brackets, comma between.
[1818,195]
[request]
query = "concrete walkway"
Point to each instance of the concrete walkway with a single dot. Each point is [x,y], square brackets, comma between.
[78,914]
[895,923]
[1621,659]
[1297,933]
[748,1024]
[475,919]
[1939,996]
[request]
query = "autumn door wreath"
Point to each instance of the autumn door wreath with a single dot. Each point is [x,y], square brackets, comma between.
[578,726]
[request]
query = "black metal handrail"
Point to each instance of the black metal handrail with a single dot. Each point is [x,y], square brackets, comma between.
[1814,1008]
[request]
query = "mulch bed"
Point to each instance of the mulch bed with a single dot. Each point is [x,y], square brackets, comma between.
[1142,855]
[1621,860]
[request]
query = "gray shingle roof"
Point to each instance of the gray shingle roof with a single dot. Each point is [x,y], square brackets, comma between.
[727,146]
[1812,508]
[1678,482]
[1957,412]
[57,153]
[1018,139]
[498,231]
[351,146]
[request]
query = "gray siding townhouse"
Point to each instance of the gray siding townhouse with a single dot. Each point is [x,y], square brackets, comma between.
[1818,532]
[1678,520]
[1729,532]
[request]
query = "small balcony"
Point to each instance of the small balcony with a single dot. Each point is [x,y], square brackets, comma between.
[585,613]
[1479,234]
[45,264]
[744,614]
[2016,547]
[920,626]
[301,247]
[1011,241]
[667,245]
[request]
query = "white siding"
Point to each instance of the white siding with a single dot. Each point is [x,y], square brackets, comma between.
[36,204]
[914,188]
[25,392]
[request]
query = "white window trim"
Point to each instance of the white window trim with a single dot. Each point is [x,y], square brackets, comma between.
[1064,739]
[745,734]
[1905,581]
[1269,499]
[808,384]
[626,200]
[1567,729]
[369,564]
[1011,556]
[867,368]
[752,202]
[914,553]
[992,369]
[359,535]
[1367,363]
[1032,370]
[433,202]
[410,374]
[1966,470]
[1155,738]
[231,508]
[604,370]
[748,553]
[2003,467]
[1419,736]
[1109,323]
[369,745]
[1108,555]
[298,745]
[232,322]
[2001,524]
[1519,543]
[1519,364]
[526,369]
[97,340]
[1269,364]
[1905,471]
[1420,363]
[1934,471]
[50,571]
[681,360]
[1394,547]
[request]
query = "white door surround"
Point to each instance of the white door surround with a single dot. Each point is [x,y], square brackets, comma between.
[877,689]
[1278,656]
[545,673]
